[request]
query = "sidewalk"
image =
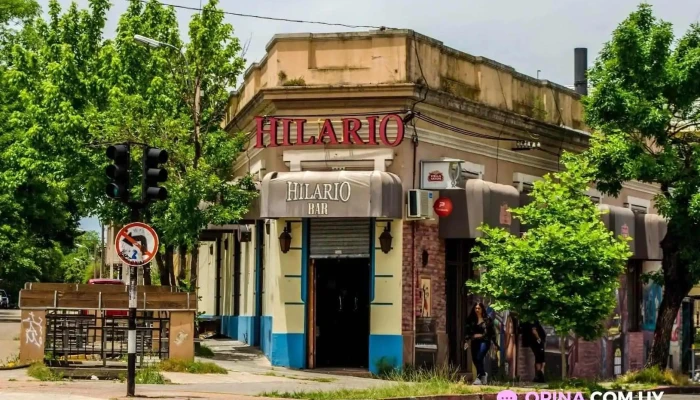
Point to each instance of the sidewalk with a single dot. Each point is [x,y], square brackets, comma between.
[249,374]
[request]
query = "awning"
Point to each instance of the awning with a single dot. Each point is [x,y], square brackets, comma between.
[480,201]
[331,194]
[650,229]
[621,222]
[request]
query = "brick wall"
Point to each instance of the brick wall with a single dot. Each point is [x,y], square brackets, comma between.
[589,359]
[634,353]
[426,239]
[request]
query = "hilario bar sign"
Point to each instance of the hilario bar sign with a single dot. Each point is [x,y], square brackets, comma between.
[331,194]
[293,131]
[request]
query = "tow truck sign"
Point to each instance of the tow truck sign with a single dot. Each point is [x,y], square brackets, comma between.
[136,244]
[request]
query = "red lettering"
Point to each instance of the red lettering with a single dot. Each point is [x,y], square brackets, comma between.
[350,128]
[399,130]
[286,125]
[372,130]
[327,130]
[260,132]
[300,134]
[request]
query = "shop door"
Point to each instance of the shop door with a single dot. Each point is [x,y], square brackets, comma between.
[458,267]
[339,310]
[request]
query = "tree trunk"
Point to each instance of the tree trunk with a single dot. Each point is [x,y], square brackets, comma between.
[147,274]
[677,284]
[182,254]
[194,264]
[162,270]
[170,265]
[562,350]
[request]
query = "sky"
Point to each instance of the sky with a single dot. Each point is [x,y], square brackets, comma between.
[527,35]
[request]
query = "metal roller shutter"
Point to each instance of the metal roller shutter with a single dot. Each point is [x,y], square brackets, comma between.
[339,238]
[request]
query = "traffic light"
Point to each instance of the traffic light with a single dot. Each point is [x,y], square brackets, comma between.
[153,174]
[118,189]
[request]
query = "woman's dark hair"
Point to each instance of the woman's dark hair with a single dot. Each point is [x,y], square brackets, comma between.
[472,318]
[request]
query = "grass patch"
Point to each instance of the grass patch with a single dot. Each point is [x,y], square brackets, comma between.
[654,376]
[150,375]
[43,373]
[192,367]
[12,380]
[204,351]
[580,385]
[295,82]
[402,389]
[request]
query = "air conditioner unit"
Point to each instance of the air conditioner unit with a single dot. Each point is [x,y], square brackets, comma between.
[419,204]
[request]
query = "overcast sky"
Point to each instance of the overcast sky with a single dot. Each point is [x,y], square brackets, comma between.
[527,35]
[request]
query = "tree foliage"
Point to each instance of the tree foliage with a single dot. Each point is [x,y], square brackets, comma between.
[564,270]
[68,92]
[645,107]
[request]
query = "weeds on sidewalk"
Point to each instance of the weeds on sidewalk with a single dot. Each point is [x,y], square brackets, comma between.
[397,390]
[41,372]
[408,382]
[192,367]
[654,376]
[150,375]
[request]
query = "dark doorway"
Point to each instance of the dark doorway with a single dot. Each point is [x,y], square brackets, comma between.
[458,269]
[342,312]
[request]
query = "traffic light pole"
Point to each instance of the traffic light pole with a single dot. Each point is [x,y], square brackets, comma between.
[118,189]
[131,345]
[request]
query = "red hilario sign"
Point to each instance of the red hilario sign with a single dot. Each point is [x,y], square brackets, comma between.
[443,206]
[327,134]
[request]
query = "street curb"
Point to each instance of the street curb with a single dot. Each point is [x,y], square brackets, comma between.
[15,367]
[10,320]
[677,389]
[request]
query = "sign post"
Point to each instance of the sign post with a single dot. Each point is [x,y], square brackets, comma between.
[136,244]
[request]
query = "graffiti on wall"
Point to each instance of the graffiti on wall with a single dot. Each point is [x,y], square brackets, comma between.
[651,300]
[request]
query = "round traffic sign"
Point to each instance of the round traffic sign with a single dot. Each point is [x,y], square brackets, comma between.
[136,244]
[443,206]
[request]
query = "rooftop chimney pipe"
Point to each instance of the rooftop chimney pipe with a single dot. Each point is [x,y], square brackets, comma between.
[580,67]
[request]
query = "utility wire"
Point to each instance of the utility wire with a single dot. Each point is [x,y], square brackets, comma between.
[299,21]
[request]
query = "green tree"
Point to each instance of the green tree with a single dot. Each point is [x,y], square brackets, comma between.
[645,106]
[79,263]
[564,270]
[38,215]
[177,102]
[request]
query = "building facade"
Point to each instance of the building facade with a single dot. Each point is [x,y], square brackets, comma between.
[342,260]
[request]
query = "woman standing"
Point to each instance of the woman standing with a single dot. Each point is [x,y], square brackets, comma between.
[480,335]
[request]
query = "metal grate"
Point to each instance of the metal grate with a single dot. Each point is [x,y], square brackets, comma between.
[339,238]
[74,333]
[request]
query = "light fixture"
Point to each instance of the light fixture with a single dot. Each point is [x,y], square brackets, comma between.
[425,258]
[286,238]
[385,238]
[267,226]
[148,41]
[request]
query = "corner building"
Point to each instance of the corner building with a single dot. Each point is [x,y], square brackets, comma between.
[341,261]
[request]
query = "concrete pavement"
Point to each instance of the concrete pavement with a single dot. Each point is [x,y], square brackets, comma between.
[9,331]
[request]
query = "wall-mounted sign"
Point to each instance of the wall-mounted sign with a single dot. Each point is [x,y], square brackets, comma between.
[443,206]
[438,175]
[294,133]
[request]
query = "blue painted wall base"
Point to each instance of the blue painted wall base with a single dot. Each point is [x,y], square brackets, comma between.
[288,350]
[242,327]
[385,351]
[266,336]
